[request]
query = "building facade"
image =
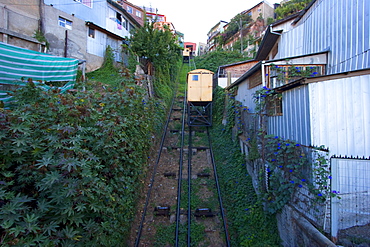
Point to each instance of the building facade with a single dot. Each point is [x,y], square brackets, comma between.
[80,29]
[135,11]
[319,63]
[213,33]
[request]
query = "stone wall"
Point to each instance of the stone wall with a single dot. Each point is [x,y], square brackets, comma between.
[19,19]
[300,219]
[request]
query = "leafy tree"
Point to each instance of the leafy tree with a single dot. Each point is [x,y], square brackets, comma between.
[290,7]
[159,48]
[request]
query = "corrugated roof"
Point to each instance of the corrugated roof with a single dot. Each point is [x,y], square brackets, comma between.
[237,63]
[251,71]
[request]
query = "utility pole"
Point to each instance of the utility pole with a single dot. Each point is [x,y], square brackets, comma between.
[240,25]
[241,36]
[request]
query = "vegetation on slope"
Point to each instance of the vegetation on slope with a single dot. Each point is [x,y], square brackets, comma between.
[290,7]
[213,60]
[71,164]
[157,49]
[248,224]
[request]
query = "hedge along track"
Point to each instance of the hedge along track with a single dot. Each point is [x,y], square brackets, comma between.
[173,197]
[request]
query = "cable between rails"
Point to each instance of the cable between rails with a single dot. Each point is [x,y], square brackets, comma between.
[180,173]
[189,188]
[227,237]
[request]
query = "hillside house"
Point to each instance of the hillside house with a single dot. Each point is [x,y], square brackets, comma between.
[163,25]
[80,29]
[213,33]
[153,16]
[85,28]
[229,73]
[191,47]
[250,32]
[201,48]
[319,62]
[135,11]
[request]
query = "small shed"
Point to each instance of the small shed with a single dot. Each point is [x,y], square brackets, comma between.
[200,85]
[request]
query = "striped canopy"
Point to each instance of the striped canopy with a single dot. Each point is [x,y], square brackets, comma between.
[18,64]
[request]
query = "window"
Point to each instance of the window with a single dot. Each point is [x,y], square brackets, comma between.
[138,14]
[277,75]
[280,75]
[275,106]
[85,2]
[195,77]
[129,9]
[255,80]
[65,23]
[119,18]
[91,33]
[222,72]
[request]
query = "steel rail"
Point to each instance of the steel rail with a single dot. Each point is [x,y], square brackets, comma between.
[180,173]
[189,188]
[227,237]
[137,241]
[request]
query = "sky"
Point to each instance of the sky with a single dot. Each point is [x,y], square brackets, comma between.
[195,18]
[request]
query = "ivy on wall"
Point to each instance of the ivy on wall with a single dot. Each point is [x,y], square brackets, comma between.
[288,165]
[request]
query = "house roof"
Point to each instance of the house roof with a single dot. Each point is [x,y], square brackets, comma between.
[103,30]
[237,63]
[251,71]
[118,6]
[133,5]
[267,43]
[218,23]
[246,11]
[270,37]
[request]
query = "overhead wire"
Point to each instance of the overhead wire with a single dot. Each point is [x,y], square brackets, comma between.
[71,3]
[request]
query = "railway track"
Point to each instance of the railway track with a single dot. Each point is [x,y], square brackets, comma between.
[183,205]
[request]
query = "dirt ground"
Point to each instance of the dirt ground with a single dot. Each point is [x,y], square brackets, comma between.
[164,190]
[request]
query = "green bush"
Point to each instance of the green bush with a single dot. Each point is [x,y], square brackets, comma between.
[160,49]
[69,168]
[214,59]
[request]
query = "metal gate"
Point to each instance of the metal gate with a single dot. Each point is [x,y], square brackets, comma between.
[350,215]
[199,114]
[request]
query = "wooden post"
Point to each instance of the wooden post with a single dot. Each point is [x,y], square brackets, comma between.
[66,44]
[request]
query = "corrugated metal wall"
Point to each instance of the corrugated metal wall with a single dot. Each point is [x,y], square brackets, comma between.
[294,124]
[340,115]
[342,26]
[245,95]
[97,45]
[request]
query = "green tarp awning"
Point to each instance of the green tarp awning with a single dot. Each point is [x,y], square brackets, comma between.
[18,65]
